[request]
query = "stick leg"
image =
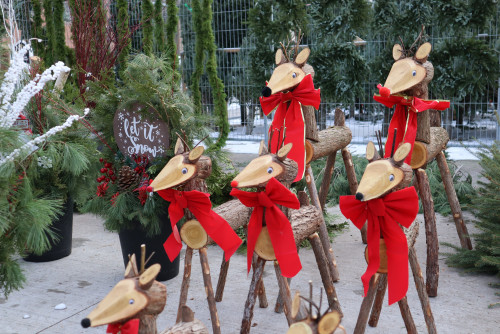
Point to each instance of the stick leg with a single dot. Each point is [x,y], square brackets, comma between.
[186,278]
[278,308]
[323,232]
[327,178]
[261,289]
[407,318]
[353,182]
[246,322]
[209,290]
[431,237]
[422,294]
[285,292]
[379,300]
[331,294]
[463,233]
[221,283]
[366,305]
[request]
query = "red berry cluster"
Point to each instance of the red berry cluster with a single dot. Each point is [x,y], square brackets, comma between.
[141,162]
[107,171]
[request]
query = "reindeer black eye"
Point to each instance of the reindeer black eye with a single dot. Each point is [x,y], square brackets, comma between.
[131,301]
[391,177]
[184,170]
[414,73]
[270,170]
[294,75]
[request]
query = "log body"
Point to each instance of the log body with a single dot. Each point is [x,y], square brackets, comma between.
[333,139]
[423,153]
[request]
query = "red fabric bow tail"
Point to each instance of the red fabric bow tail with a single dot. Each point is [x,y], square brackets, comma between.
[291,118]
[278,225]
[130,327]
[383,214]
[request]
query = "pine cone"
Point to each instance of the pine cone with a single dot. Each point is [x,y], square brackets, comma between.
[127,178]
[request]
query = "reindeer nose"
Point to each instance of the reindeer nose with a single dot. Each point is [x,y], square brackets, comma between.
[359,196]
[383,91]
[266,91]
[86,323]
[234,184]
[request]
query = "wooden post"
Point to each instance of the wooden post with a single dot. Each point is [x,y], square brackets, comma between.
[185,282]
[207,281]
[323,233]
[431,237]
[327,178]
[406,314]
[379,300]
[224,267]
[246,322]
[463,233]
[422,294]
[366,305]
[284,292]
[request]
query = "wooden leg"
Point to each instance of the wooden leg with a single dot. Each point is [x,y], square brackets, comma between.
[246,322]
[379,300]
[431,237]
[422,294]
[463,233]
[185,282]
[221,283]
[366,305]
[209,290]
[327,178]
[323,232]
[407,318]
[261,290]
[353,182]
[322,263]
[280,304]
[285,292]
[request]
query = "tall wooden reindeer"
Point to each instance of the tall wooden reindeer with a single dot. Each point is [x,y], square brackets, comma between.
[274,231]
[384,201]
[418,123]
[187,172]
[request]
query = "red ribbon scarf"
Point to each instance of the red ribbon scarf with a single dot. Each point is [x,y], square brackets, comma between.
[277,224]
[383,214]
[130,327]
[405,104]
[291,118]
[199,204]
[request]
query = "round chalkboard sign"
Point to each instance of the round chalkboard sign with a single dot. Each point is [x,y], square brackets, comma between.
[137,134]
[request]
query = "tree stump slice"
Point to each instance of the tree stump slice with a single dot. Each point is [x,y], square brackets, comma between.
[423,153]
[193,234]
[329,322]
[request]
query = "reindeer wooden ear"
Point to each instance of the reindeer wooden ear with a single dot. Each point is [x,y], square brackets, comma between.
[401,154]
[283,152]
[131,269]
[302,57]
[262,148]
[371,152]
[280,57]
[179,147]
[195,154]
[148,277]
[423,51]
[397,51]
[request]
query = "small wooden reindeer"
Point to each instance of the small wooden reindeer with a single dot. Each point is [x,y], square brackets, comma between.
[384,201]
[418,123]
[187,171]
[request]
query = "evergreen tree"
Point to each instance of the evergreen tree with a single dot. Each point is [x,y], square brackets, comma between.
[59,42]
[171,29]
[158,27]
[37,28]
[147,27]
[122,22]
[49,31]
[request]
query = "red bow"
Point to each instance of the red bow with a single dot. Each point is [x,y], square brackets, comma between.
[199,204]
[130,327]
[404,104]
[384,214]
[277,224]
[292,118]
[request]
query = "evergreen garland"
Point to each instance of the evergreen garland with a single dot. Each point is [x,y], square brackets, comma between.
[205,41]
[59,43]
[147,27]
[159,27]
[37,28]
[171,29]
[122,22]
[49,31]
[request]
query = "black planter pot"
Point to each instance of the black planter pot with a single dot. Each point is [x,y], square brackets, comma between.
[63,227]
[131,241]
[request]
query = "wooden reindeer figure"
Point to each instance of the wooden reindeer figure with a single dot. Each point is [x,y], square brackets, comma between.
[384,201]
[270,234]
[187,172]
[419,124]
[133,305]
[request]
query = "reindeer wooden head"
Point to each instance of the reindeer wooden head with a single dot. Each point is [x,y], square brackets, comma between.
[288,73]
[260,170]
[382,176]
[136,296]
[183,167]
